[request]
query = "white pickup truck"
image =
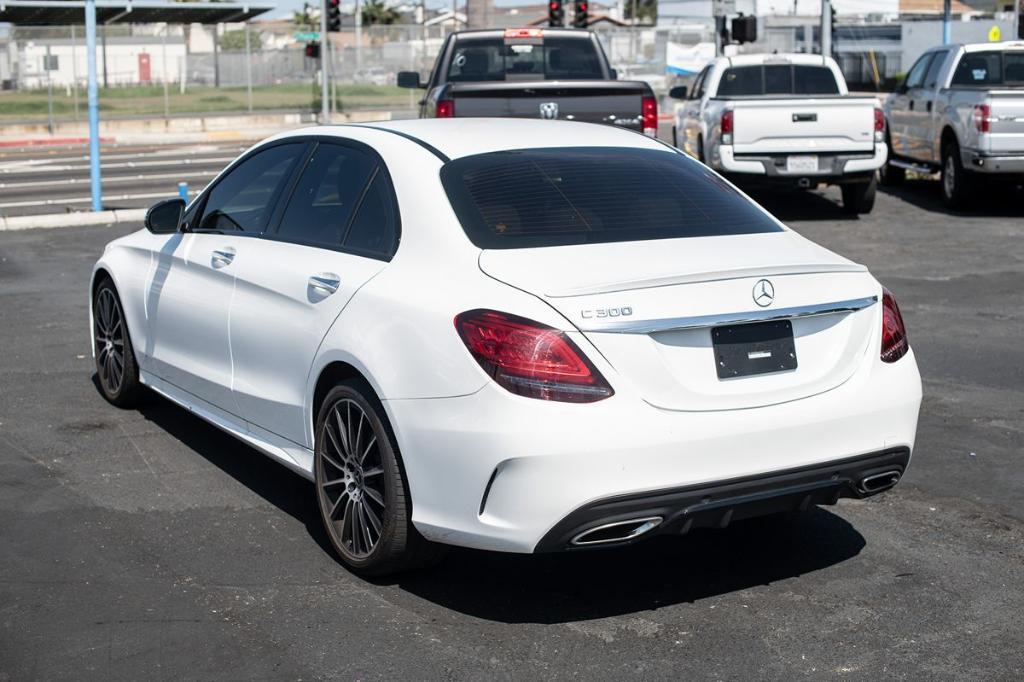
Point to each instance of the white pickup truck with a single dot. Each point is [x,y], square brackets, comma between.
[784,118]
[960,111]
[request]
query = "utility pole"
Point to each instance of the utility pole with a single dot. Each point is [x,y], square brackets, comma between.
[324,101]
[947,12]
[94,113]
[826,28]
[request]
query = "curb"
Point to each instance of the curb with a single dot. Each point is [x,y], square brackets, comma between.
[51,220]
[51,141]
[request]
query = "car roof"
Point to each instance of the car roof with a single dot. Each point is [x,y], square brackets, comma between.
[788,57]
[990,47]
[458,137]
[501,32]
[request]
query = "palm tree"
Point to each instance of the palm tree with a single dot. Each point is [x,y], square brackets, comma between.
[376,12]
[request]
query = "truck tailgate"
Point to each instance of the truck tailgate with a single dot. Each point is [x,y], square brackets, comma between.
[614,102]
[1006,134]
[827,124]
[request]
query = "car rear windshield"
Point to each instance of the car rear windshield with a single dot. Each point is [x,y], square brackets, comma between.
[593,195]
[777,79]
[495,59]
[990,68]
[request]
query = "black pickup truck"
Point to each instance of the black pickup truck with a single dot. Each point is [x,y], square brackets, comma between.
[532,73]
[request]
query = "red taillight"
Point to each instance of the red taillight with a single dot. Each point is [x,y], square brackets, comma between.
[649,111]
[879,121]
[445,109]
[894,332]
[726,126]
[530,359]
[983,118]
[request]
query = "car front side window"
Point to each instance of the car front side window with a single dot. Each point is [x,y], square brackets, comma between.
[241,202]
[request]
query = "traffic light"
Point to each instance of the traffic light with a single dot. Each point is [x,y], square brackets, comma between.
[581,14]
[556,15]
[333,15]
[313,50]
[744,29]
[833,20]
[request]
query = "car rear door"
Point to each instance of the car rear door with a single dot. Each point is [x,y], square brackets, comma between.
[339,228]
[925,129]
[189,293]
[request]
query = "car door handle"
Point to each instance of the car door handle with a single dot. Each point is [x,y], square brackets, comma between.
[325,282]
[222,257]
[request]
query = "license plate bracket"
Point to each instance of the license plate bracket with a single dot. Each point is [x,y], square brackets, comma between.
[749,349]
[802,164]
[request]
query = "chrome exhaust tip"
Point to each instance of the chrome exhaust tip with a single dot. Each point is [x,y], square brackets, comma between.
[876,483]
[619,531]
[803,183]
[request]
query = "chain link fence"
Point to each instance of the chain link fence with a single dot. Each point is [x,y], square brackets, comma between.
[170,70]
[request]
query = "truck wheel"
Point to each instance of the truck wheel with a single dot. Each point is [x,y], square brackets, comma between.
[859,198]
[956,180]
[675,138]
[700,150]
[889,175]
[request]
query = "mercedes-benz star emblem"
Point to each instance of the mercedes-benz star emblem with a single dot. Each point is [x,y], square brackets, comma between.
[764,293]
[549,110]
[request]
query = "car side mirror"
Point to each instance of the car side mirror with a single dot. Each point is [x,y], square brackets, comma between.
[164,217]
[678,92]
[613,74]
[409,79]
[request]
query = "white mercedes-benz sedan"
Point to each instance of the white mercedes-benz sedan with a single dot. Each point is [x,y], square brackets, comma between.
[514,335]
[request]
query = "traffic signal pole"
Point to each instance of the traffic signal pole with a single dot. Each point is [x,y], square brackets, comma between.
[94,110]
[324,101]
[826,28]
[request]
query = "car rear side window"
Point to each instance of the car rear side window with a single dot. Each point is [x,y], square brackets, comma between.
[990,68]
[593,195]
[777,79]
[374,231]
[325,198]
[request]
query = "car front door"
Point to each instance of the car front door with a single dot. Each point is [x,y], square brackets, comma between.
[691,128]
[902,114]
[340,228]
[189,295]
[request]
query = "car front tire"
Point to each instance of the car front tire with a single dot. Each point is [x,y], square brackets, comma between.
[859,198]
[117,373]
[361,489]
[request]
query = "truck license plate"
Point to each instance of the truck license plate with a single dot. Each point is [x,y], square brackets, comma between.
[802,164]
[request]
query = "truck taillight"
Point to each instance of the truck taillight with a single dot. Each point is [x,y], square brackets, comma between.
[726,126]
[894,332]
[530,359]
[879,125]
[983,118]
[445,109]
[649,111]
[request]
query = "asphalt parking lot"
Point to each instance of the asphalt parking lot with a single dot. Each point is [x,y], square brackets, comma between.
[147,544]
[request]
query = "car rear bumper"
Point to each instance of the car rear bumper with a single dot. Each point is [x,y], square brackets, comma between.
[497,471]
[984,163]
[832,167]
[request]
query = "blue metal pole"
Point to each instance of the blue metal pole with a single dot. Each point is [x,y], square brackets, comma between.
[94,111]
[946,11]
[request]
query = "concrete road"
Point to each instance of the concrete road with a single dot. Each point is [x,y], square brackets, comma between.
[43,180]
[146,544]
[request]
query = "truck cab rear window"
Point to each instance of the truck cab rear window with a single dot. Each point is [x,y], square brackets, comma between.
[777,79]
[990,68]
[494,59]
[593,195]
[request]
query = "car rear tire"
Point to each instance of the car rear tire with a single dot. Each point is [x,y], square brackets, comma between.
[361,489]
[859,198]
[675,137]
[957,182]
[117,373]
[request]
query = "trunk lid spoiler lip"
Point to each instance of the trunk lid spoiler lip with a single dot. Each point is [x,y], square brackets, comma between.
[707,276]
[745,317]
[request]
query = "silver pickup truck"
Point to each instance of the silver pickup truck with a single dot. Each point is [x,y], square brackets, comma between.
[960,111]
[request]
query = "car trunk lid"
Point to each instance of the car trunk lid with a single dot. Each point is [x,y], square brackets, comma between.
[650,307]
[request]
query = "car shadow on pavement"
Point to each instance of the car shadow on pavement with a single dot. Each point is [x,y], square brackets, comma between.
[993,200]
[662,571]
[553,588]
[791,203]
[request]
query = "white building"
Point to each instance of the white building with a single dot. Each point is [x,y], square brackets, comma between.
[130,60]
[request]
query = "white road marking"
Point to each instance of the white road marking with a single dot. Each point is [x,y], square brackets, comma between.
[116,178]
[86,200]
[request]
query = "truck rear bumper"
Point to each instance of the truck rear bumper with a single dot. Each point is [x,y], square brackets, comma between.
[984,163]
[831,167]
